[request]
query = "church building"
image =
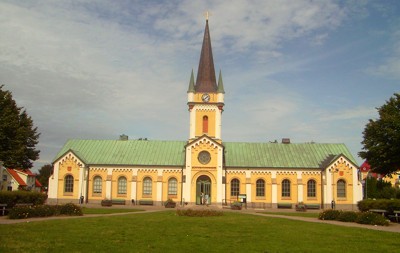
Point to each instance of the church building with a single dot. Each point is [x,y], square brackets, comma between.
[204,169]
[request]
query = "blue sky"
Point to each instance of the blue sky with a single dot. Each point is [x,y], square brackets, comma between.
[299,69]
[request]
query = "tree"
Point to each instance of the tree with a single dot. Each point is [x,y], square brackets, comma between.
[44,174]
[379,189]
[381,144]
[18,136]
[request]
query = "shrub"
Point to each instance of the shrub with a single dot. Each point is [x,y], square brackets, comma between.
[347,216]
[23,212]
[236,205]
[372,219]
[329,214]
[20,212]
[71,209]
[13,197]
[44,211]
[387,204]
[198,213]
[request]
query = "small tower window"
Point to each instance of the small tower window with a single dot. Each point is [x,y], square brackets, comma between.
[205,124]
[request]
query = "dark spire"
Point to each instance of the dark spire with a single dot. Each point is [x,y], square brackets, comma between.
[206,81]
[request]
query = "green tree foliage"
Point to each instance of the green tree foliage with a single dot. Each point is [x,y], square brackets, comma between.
[44,174]
[381,144]
[379,189]
[18,136]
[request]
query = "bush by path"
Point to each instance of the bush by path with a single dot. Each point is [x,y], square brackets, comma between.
[23,212]
[358,217]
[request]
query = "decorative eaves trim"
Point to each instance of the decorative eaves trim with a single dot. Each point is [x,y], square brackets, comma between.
[204,138]
[341,159]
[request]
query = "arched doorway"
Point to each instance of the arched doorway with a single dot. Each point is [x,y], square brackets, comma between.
[203,190]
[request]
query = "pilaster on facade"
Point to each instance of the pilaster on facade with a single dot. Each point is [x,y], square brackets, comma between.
[134,184]
[220,184]
[300,187]
[109,183]
[83,180]
[248,188]
[192,123]
[53,183]
[159,187]
[187,176]
[274,189]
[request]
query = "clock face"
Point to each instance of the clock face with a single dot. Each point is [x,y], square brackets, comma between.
[204,157]
[205,97]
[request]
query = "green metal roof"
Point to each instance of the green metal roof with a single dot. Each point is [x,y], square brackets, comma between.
[237,154]
[126,152]
[280,155]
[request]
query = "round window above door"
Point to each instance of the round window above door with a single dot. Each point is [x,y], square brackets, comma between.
[204,157]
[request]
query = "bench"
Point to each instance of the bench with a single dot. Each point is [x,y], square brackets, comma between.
[312,206]
[3,208]
[118,201]
[396,216]
[146,202]
[284,205]
[380,211]
[23,204]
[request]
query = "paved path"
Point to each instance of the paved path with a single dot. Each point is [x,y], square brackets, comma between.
[393,227]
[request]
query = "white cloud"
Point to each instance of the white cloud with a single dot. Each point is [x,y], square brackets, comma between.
[97,69]
[347,114]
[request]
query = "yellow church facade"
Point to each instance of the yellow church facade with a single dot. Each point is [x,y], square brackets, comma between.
[205,169]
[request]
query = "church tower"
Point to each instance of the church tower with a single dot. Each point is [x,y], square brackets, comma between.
[206,97]
[203,175]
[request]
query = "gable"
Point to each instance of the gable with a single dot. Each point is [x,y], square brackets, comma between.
[341,159]
[204,139]
[16,177]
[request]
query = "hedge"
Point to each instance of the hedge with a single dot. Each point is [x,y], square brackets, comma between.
[13,197]
[389,205]
[23,212]
[350,216]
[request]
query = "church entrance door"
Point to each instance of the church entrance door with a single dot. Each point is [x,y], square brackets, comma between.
[203,190]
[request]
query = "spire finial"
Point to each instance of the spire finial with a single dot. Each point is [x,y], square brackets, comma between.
[207,14]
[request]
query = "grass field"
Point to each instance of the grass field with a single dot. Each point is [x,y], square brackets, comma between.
[167,232]
[108,210]
[301,214]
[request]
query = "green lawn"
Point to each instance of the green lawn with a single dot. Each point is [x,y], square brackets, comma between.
[108,210]
[300,214]
[167,232]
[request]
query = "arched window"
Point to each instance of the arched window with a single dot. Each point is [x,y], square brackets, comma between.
[341,188]
[286,188]
[205,124]
[235,187]
[260,188]
[172,186]
[69,183]
[147,186]
[311,189]
[122,185]
[97,184]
